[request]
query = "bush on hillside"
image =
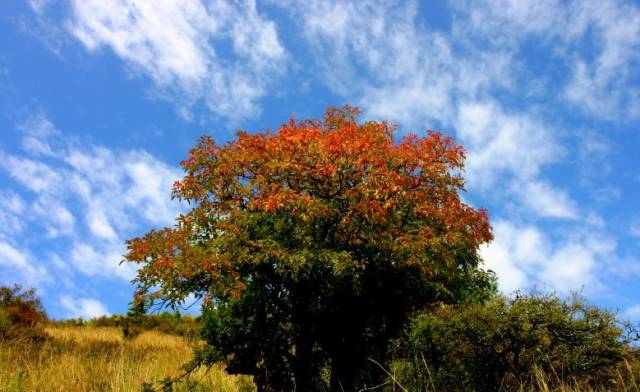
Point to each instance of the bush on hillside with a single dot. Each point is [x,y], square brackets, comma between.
[512,343]
[21,314]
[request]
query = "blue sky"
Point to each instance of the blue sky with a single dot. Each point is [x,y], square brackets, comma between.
[100,100]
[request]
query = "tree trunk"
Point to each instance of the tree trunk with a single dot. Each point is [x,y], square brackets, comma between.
[342,375]
[303,364]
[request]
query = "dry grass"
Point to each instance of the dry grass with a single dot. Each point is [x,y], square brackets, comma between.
[626,381]
[98,359]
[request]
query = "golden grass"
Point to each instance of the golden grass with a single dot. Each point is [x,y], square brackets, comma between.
[98,359]
[542,382]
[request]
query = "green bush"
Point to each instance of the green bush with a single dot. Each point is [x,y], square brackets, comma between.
[511,343]
[21,314]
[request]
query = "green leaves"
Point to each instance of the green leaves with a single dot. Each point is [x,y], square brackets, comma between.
[508,342]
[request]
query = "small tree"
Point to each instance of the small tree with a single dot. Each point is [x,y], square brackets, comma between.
[21,314]
[312,245]
[133,320]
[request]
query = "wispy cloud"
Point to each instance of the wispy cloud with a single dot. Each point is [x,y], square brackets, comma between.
[513,144]
[540,198]
[598,80]
[91,196]
[11,207]
[85,308]
[180,46]
[22,265]
[633,313]
[524,256]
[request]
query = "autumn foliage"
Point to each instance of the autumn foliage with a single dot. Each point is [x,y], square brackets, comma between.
[331,227]
[21,314]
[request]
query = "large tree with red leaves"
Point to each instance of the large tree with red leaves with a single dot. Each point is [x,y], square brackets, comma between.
[312,245]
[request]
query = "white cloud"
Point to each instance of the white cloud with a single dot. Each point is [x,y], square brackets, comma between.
[570,267]
[86,308]
[601,85]
[605,194]
[38,125]
[523,256]
[380,55]
[633,313]
[13,259]
[150,181]
[99,225]
[504,22]
[498,258]
[11,206]
[101,259]
[53,215]
[11,202]
[38,130]
[175,45]
[598,79]
[374,53]
[36,146]
[34,175]
[111,183]
[92,196]
[544,200]
[500,143]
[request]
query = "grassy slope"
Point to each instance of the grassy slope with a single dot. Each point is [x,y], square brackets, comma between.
[97,359]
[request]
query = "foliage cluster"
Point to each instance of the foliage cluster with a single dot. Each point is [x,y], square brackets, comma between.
[510,344]
[21,314]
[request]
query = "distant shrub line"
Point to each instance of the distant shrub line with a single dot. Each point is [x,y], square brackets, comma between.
[22,317]
[172,323]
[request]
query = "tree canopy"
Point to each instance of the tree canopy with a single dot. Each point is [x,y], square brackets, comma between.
[312,244]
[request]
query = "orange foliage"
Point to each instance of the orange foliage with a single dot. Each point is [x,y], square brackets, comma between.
[401,197]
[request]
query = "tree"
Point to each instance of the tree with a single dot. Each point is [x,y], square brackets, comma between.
[21,314]
[311,245]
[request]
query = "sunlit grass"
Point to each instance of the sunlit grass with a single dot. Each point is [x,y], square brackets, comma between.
[538,381]
[99,359]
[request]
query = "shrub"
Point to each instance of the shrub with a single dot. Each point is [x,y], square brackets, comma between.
[21,314]
[509,343]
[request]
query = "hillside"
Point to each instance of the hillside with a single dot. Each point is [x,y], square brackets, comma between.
[98,359]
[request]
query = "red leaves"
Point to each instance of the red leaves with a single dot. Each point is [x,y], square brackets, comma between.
[401,197]
[307,165]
